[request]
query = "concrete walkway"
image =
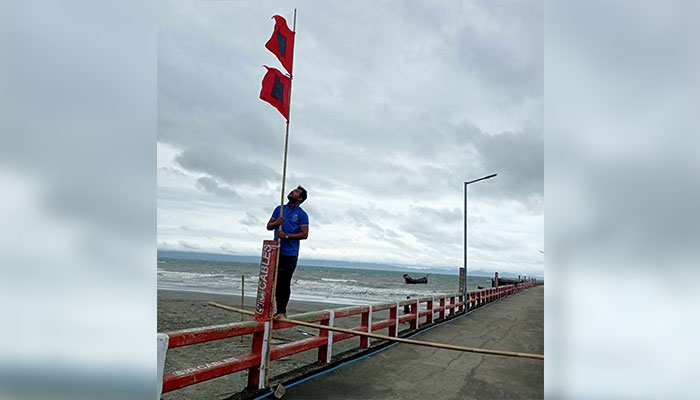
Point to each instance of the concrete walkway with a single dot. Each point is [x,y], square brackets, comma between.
[515,323]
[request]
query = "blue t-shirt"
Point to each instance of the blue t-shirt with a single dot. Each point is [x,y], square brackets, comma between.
[293,221]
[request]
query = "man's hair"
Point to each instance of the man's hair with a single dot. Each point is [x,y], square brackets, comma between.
[303,194]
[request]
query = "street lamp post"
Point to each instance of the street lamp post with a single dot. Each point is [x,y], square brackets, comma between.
[465,231]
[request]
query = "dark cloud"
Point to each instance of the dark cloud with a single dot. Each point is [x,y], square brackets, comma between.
[438,215]
[510,62]
[227,166]
[212,186]
[188,245]
[317,216]
[518,158]
[364,219]
[252,220]
[435,229]
[204,232]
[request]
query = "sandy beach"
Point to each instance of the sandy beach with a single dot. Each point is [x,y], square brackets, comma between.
[180,310]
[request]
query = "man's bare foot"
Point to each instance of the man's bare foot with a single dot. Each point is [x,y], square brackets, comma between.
[279,316]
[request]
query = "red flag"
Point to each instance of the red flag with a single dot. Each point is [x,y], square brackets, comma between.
[275,90]
[281,43]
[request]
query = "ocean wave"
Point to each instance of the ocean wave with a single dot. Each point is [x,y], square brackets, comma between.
[331,287]
[338,280]
[182,274]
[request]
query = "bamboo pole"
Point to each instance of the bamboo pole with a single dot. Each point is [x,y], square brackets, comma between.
[393,339]
[279,238]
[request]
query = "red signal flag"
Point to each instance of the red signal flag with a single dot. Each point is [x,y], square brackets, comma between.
[281,43]
[275,90]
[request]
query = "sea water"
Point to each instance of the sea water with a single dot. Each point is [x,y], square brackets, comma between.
[310,283]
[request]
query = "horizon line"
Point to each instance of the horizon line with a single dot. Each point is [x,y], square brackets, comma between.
[394,265]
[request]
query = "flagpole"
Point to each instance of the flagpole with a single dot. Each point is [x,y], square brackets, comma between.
[279,237]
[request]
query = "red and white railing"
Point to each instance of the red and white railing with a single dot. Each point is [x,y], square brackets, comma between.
[444,306]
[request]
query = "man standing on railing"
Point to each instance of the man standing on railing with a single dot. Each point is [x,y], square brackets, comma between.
[291,228]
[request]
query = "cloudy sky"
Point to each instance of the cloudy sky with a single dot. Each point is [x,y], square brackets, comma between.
[394,105]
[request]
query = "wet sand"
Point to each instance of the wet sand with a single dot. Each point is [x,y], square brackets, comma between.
[181,310]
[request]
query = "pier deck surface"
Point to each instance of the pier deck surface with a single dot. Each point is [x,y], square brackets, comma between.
[514,323]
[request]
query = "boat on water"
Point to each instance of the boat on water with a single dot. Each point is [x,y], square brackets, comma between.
[410,280]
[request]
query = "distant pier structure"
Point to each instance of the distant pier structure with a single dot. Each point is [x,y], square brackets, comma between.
[497,281]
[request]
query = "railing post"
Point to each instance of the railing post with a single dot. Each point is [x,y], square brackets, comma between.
[254,372]
[414,310]
[325,351]
[266,346]
[429,320]
[369,326]
[162,350]
[442,304]
[364,343]
[394,314]
[452,303]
